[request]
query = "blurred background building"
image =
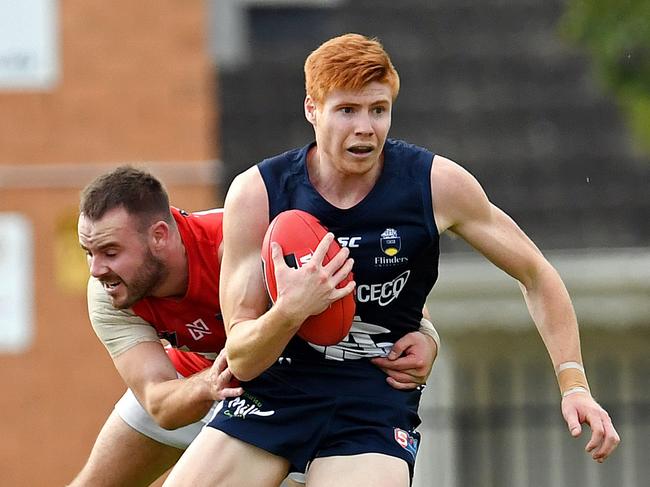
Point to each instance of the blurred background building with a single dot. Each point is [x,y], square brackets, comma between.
[84,86]
[199,91]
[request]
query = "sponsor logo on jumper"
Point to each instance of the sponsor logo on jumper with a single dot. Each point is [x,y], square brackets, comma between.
[390,261]
[390,242]
[350,242]
[245,405]
[360,342]
[382,293]
[198,329]
[406,441]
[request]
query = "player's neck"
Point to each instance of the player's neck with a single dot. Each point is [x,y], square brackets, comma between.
[176,280]
[343,189]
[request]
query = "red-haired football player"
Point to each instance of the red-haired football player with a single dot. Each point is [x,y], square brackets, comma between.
[326,408]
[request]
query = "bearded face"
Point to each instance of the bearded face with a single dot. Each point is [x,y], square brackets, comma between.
[124,292]
[119,256]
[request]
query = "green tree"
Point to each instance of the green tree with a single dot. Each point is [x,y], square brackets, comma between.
[616,33]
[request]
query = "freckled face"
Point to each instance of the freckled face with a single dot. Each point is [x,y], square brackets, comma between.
[351,126]
[119,257]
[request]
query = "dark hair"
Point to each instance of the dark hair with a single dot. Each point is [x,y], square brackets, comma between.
[137,191]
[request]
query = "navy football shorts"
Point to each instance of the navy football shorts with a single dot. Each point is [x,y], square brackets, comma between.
[305,411]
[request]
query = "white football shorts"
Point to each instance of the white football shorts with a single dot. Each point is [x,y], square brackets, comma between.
[133,414]
[137,417]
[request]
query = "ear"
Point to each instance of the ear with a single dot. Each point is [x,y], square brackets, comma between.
[158,235]
[310,110]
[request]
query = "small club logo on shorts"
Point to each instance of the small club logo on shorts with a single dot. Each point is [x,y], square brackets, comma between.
[246,405]
[406,441]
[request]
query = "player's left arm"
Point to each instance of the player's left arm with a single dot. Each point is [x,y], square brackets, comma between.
[409,363]
[461,206]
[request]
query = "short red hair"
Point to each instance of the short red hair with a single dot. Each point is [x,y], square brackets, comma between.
[350,61]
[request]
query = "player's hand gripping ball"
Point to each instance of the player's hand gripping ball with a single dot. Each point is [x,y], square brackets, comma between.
[299,233]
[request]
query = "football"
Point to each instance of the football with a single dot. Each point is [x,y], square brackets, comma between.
[299,233]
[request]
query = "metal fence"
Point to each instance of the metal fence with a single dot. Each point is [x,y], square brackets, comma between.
[493,419]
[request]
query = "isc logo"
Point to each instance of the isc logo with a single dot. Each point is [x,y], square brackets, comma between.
[350,242]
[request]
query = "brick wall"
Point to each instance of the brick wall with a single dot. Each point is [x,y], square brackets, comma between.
[136,86]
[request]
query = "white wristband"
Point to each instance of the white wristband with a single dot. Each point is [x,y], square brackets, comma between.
[427,328]
[570,365]
[573,390]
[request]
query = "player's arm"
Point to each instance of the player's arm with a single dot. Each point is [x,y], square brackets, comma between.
[257,336]
[409,363]
[462,207]
[142,362]
[172,401]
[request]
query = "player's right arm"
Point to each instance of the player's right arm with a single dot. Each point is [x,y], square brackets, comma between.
[141,360]
[172,401]
[257,335]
